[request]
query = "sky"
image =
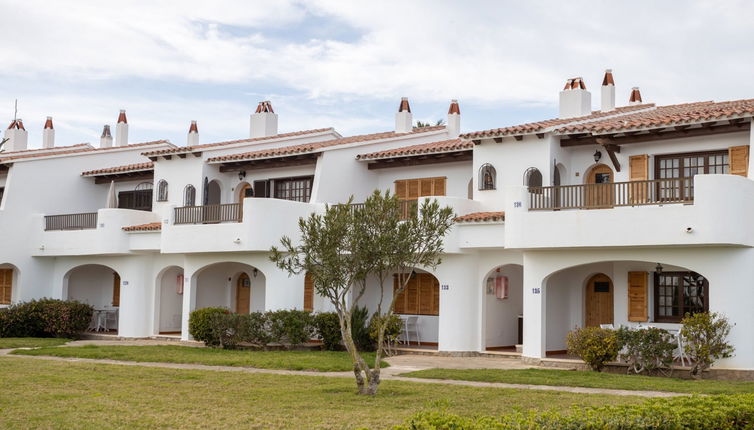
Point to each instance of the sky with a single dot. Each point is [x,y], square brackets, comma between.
[346,64]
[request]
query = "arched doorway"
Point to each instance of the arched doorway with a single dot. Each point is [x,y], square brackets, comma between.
[419,304]
[502,290]
[169,301]
[244,190]
[97,285]
[213,193]
[598,306]
[599,190]
[217,285]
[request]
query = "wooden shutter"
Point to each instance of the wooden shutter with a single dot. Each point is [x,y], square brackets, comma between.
[435,296]
[400,302]
[638,166]
[6,286]
[438,186]
[116,289]
[308,293]
[262,189]
[637,296]
[425,293]
[412,296]
[413,189]
[400,189]
[738,160]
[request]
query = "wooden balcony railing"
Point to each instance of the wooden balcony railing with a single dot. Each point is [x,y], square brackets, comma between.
[209,214]
[600,196]
[71,221]
[408,208]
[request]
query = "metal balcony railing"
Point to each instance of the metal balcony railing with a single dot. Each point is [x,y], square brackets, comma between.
[80,221]
[208,214]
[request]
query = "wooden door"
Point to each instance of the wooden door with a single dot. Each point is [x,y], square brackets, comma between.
[244,190]
[243,294]
[599,188]
[599,301]
[116,290]
[308,293]
[6,286]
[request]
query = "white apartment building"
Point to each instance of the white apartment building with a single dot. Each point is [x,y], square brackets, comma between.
[624,215]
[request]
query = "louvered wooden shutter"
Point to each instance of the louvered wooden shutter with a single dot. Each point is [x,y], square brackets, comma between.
[308,293]
[400,189]
[426,296]
[637,296]
[400,301]
[6,286]
[738,160]
[116,289]
[639,167]
[412,296]
[413,189]
[438,186]
[435,296]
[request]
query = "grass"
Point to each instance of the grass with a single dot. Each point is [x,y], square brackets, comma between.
[587,379]
[71,395]
[323,361]
[30,342]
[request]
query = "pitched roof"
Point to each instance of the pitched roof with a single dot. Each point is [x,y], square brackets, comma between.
[451,145]
[546,125]
[316,146]
[481,217]
[139,167]
[72,149]
[189,149]
[666,116]
[152,226]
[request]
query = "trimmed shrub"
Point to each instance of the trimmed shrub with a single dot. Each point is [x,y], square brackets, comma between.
[201,325]
[328,330]
[596,346]
[227,329]
[705,336]
[360,329]
[646,350]
[290,326]
[45,318]
[726,412]
[256,329]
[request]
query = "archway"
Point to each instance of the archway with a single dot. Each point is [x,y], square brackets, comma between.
[169,301]
[503,307]
[419,304]
[8,281]
[97,285]
[244,190]
[217,285]
[599,191]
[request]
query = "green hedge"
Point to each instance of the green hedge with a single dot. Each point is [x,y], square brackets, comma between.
[45,318]
[723,412]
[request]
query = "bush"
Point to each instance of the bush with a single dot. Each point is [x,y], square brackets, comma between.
[328,330]
[201,325]
[45,318]
[393,327]
[256,328]
[596,346]
[290,326]
[647,350]
[227,329]
[705,340]
[360,329]
[726,412]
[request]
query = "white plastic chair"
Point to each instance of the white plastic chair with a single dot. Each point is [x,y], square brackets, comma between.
[680,352]
[607,326]
[411,323]
[111,319]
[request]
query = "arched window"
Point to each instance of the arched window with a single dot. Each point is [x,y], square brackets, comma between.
[533,177]
[189,196]
[487,177]
[162,191]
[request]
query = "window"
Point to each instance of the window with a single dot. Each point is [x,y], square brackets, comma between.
[6,286]
[189,196]
[139,199]
[684,167]
[420,297]
[487,177]
[678,293]
[162,191]
[533,177]
[296,189]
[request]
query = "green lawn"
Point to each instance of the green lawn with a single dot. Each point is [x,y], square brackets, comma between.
[323,361]
[30,342]
[71,395]
[587,379]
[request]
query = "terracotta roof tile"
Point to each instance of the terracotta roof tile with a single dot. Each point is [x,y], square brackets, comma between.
[315,146]
[481,217]
[152,226]
[189,149]
[139,167]
[73,149]
[451,145]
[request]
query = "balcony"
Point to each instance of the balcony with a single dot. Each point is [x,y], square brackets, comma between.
[616,194]
[80,221]
[208,214]
[408,208]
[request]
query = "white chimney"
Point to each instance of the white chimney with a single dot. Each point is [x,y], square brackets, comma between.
[453,125]
[121,130]
[193,135]
[106,140]
[404,122]
[264,122]
[608,92]
[48,134]
[575,100]
[635,98]
[17,136]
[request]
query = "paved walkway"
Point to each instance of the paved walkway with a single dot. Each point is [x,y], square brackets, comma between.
[398,365]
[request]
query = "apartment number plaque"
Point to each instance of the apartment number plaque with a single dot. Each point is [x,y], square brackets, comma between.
[444,287]
[536,290]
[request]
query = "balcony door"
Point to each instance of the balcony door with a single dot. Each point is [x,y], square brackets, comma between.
[599,301]
[599,191]
[683,168]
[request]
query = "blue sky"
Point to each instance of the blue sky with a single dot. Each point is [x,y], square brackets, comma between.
[346,64]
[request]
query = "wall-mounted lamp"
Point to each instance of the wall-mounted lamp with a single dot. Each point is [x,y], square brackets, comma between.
[255,272]
[658,269]
[597,156]
[241,174]
[413,274]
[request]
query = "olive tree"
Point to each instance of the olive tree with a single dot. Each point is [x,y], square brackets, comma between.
[343,247]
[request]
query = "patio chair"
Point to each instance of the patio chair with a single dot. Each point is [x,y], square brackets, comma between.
[607,326]
[680,352]
[111,319]
[410,324]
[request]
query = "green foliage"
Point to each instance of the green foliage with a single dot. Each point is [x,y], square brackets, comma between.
[360,329]
[596,346]
[292,327]
[256,328]
[202,325]
[328,330]
[705,340]
[646,350]
[393,325]
[45,318]
[692,413]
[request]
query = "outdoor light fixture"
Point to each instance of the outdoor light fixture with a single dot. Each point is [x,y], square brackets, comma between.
[255,272]
[658,269]
[413,274]
[241,174]
[597,156]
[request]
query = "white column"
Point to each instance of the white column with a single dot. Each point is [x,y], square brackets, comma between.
[460,290]
[189,300]
[535,311]
[137,285]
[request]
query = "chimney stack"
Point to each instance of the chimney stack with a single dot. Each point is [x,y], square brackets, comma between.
[106,140]
[453,126]
[575,100]
[404,122]
[193,135]
[48,134]
[635,98]
[17,136]
[264,121]
[608,92]
[121,129]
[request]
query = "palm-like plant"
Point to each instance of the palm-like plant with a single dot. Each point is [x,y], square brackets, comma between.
[420,124]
